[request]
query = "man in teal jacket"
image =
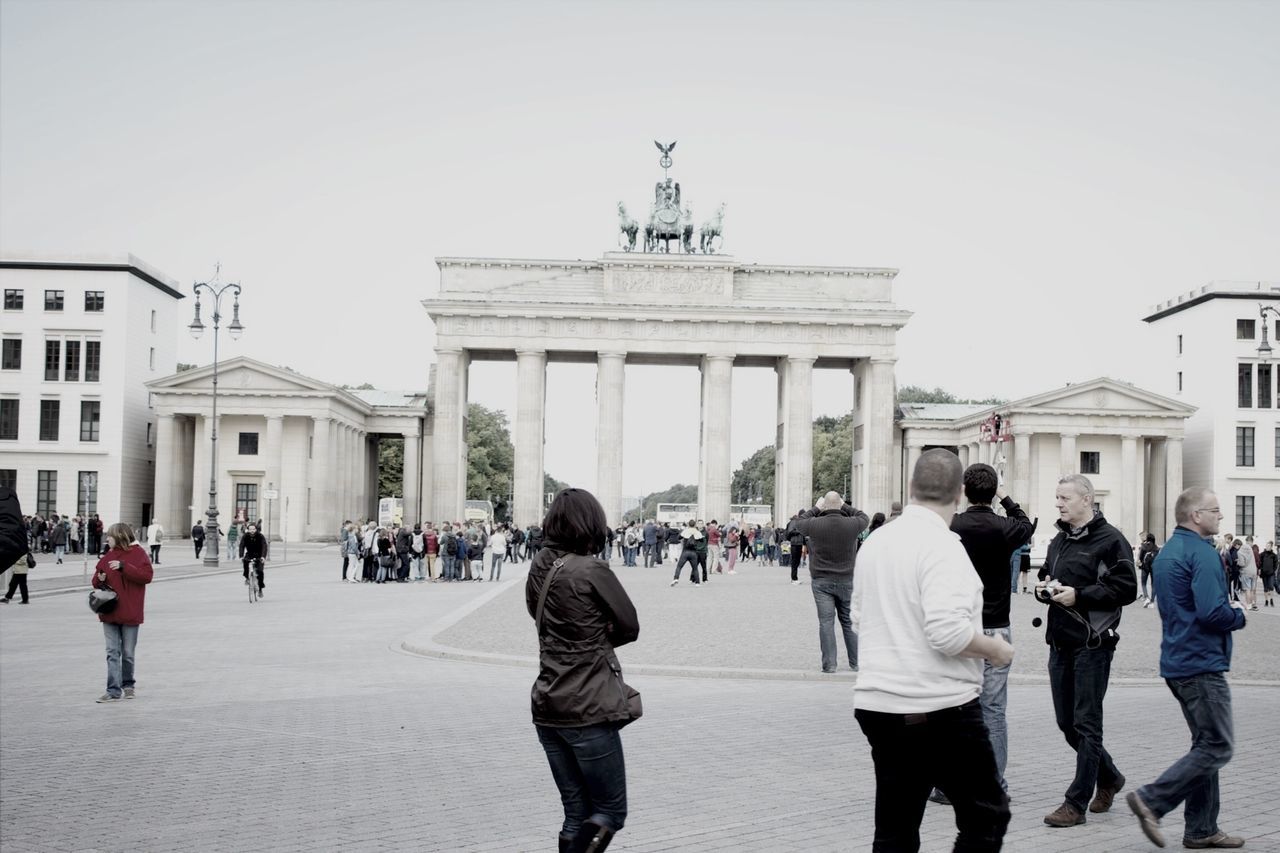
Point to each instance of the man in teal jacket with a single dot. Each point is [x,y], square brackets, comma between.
[1195,655]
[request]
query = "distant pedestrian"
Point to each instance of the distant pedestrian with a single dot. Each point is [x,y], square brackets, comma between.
[155,538]
[579,701]
[126,570]
[497,552]
[197,538]
[1198,620]
[18,581]
[832,529]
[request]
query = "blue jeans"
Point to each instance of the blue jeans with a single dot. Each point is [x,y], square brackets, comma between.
[1015,563]
[495,567]
[832,599]
[994,701]
[1206,705]
[588,767]
[446,572]
[121,642]
[1078,680]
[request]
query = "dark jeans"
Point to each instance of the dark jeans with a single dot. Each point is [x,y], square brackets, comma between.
[155,555]
[258,569]
[1078,680]
[948,749]
[687,555]
[17,583]
[796,554]
[1206,705]
[588,767]
[199,546]
[346,563]
[832,598]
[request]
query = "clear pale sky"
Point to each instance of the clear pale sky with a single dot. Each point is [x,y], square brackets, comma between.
[1041,173]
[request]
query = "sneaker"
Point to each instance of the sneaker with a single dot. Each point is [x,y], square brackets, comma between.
[1105,796]
[106,697]
[1064,815]
[4,601]
[733,571]
[1254,607]
[795,583]
[1219,839]
[128,693]
[673,583]
[262,593]
[1147,820]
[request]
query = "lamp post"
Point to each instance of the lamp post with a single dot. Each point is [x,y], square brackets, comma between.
[211,555]
[1264,348]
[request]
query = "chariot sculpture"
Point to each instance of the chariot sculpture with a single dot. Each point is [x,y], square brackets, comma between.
[669,218]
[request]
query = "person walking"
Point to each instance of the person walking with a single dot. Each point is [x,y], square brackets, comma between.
[431,543]
[14,538]
[197,538]
[1267,571]
[1147,552]
[917,607]
[353,565]
[155,538]
[795,544]
[731,548]
[832,529]
[1248,565]
[18,580]
[498,552]
[58,537]
[1093,565]
[1198,619]
[650,539]
[579,701]
[126,570]
[688,554]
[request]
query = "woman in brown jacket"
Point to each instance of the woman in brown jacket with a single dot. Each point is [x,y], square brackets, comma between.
[580,701]
[125,569]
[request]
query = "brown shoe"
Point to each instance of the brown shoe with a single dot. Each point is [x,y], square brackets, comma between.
[1105,796]
[1147,820]
[1220,839]
[1064,815]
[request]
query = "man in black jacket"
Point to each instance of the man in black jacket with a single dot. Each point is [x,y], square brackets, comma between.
[13,536]
[832,529]
[990,541]
[1093,563]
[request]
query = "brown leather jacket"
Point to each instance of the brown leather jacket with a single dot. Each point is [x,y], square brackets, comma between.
[587,615]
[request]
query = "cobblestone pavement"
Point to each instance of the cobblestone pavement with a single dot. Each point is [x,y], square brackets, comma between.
[300,724]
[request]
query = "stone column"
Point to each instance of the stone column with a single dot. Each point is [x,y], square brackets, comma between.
[914,452]
[963,452]
[879,435]
[1020,488]
[448,482]
[1172,479]
[199,468]
[1128,481]
[610,384]
[166,472]
[341,498]
[412,511]
[531,400]
[1070,460]
[716,461]
[1158,514]
[799,442]
[782,503]
[272,464]
[321,477]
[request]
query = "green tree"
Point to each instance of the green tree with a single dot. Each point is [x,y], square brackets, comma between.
[832,455]
[390,467]
[490,455]
[754,477]
[916,394]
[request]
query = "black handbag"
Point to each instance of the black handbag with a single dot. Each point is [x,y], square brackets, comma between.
[103,600]
[31,561]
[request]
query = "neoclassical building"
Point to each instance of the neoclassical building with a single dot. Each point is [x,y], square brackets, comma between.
[1128,441]
[313,444]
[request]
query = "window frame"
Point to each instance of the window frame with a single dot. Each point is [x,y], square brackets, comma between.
[50,416]
[55,300]
[92,410]
[1246,446]
[1265,397]
[9,477]
[14,299]
[71,360]
[1093,455]
[1244,385]
[95,301]
[16,350]
[244,440]
[92,364]
[16,417]
[1245,508]
[86,505]
[46,492]
[1246,329]
[52,359]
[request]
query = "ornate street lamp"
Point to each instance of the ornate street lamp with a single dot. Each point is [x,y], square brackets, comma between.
[211,556]
[1264,348]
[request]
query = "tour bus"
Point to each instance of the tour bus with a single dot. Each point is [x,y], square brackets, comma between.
[675,514]
[751,514]
[481,511]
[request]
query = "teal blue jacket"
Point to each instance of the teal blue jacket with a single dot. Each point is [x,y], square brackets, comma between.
[1191,592]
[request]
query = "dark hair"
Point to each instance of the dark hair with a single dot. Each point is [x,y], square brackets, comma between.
[576,522]
[980,483]
[937,477]
[877,520]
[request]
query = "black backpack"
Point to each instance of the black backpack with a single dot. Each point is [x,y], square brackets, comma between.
[450,545]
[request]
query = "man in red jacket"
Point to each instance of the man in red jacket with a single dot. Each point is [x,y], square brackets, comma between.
[126,570]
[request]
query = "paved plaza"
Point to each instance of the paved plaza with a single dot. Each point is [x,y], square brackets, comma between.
[340,717]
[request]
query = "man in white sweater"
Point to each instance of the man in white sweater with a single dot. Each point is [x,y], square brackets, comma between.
[917,608]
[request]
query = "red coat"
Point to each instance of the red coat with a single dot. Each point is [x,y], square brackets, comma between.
[130,583]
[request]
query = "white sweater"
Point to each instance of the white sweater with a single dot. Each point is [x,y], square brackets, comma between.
[917,603]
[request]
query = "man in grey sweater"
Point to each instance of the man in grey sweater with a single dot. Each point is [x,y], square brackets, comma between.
[832,528]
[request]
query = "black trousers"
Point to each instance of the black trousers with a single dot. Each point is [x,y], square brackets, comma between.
[702,564]
[796,553]
[687,555]
[948,749]
[17,582]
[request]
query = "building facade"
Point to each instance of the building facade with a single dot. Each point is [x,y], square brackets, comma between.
[81,337]
[1204,351]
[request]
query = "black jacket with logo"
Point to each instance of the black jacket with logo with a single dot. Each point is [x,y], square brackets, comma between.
[1098,563]
[990,541]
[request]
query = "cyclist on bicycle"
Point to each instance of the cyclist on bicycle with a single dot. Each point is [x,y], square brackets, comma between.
[253,548]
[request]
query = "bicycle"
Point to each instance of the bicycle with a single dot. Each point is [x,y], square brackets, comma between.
[255,591]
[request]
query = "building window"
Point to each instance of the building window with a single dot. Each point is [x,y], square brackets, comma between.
[148,433]
[12,358]
[90,417]
[1264,386]
[1179,344]
[52,359]
[247,501]
[12,299]
[53,300]
[94,300]
[46,493]
[153,321]
[9,419]
[1276,537]
[1244,515]
[87,499]
[1179,381]
[92,360]
[1244,330]
[248,444]
[1090,462]
[1278,447]
[9,478]
[1244,386]
[71,368]
[1244,447]
[151,359]
[49,411]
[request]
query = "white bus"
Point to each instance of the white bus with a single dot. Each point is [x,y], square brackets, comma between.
[676,514]
[752,514]
[481,511]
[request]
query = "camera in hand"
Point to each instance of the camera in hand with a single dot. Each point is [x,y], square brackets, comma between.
[1050,590]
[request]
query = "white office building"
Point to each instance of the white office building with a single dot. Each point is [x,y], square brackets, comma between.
[81,336]
[1204,347]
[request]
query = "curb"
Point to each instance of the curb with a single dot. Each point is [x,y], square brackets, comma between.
[80,586]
